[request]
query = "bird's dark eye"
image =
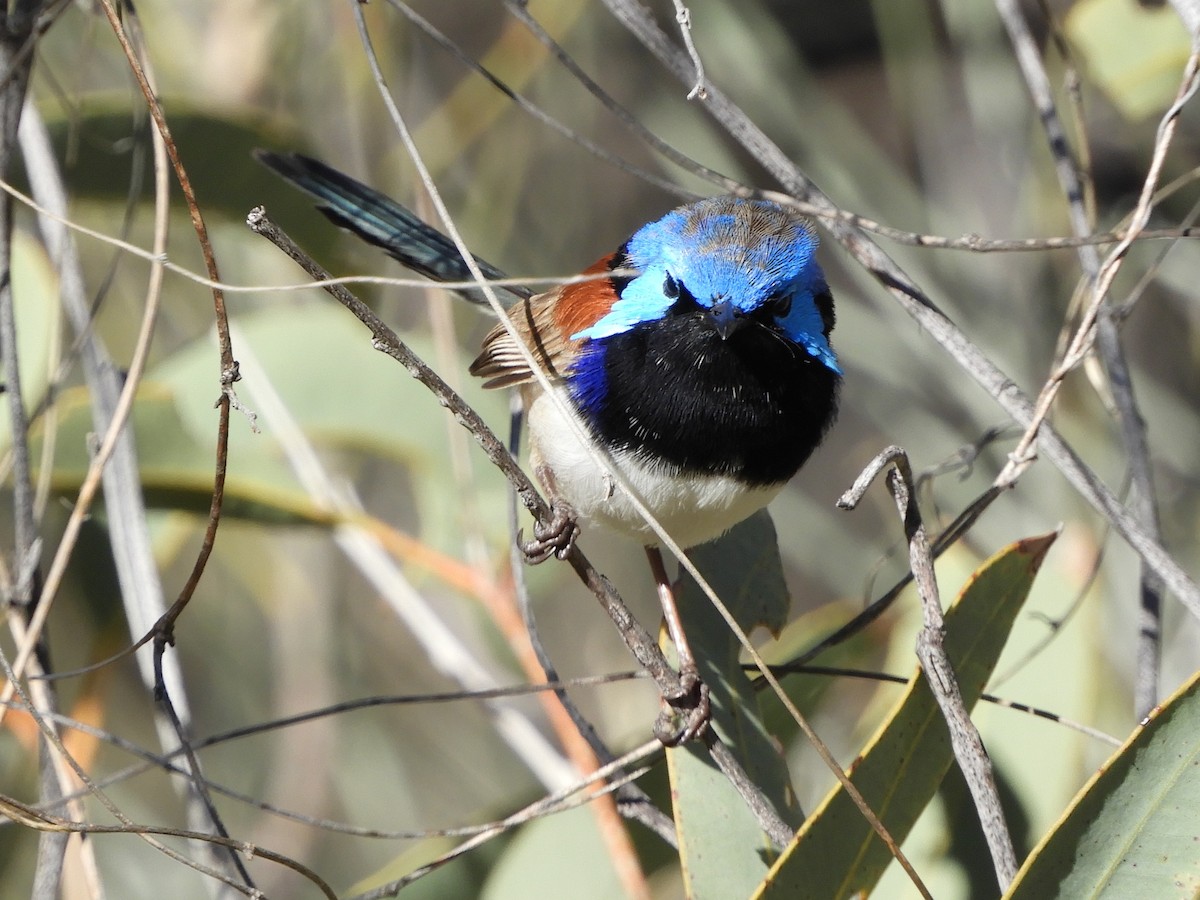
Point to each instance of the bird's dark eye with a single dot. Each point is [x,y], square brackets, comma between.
[780,306]
[671,288]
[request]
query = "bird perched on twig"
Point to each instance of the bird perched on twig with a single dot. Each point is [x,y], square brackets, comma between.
[698,362]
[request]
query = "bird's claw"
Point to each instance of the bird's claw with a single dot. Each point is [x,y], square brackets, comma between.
[685,716]
[553,538]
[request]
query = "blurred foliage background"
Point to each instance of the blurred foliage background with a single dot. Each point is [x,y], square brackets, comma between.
[910,113]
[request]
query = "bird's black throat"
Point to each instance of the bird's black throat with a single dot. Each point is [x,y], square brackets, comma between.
[753,406]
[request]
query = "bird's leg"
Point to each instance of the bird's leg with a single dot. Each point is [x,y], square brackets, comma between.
[692,703]
[556,537]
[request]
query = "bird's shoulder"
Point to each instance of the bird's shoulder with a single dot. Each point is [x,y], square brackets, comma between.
[545,323]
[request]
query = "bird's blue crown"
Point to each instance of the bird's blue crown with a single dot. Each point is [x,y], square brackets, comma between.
[749,253]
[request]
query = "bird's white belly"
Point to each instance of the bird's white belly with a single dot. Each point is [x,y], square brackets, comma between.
[693,509]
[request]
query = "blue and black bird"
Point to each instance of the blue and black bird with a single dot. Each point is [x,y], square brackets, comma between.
[701,366]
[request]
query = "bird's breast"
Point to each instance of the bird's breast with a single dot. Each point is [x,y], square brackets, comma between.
[675,394]
[693,507]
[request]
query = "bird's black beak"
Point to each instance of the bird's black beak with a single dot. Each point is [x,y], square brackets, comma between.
[725,317]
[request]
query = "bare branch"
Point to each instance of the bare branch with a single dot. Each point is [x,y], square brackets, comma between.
[968,747]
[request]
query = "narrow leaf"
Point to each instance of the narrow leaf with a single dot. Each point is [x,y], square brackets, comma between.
[836,854]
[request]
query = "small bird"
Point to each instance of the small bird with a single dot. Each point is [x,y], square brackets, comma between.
[698,361]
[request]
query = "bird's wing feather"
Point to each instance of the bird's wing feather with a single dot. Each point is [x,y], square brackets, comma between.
[545,324]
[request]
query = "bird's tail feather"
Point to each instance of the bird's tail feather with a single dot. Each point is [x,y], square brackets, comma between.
[379,220]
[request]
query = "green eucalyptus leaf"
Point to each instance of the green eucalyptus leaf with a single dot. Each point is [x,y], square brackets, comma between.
[1134,829]
[836,854]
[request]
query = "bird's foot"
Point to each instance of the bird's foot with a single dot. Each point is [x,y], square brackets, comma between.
[553,538]
[684,717]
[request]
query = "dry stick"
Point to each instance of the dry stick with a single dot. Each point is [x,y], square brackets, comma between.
[366,550]
[644,648]
[229,368]
[964,458]
[997,384]
[971,242]
[632,802]
[26,545]
[164,629]
[151,760]
[683,16]
[108,447]
[512,613]
[523,103]
[546,805]
[540,375]
[16,37]
[960,526]
[125,510]
[968,747]
[41,821]
[1108,341]
[1082,340]
[1138,291]
[518,9]
[127,825]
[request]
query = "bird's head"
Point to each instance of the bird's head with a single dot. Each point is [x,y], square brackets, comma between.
[733,262]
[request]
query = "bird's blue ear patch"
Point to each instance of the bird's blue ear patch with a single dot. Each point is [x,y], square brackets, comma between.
[642,300]
[804,325]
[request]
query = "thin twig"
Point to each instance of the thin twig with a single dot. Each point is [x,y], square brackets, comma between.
[164,762]
[553,803]
[48,824]
[519,10]
[127,825]
[779,831]
[164,628]
[539,114]
[16,62]
[968,747]
[949,536]
[632,802]
[968,243]
[141,590]
[683,16]
[1107,342]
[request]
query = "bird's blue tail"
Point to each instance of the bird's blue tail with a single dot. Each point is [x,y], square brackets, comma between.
[379,220]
